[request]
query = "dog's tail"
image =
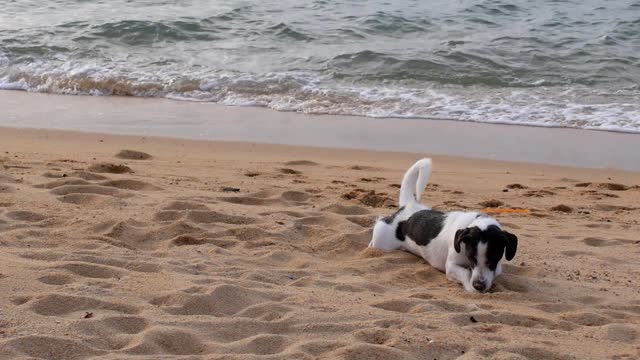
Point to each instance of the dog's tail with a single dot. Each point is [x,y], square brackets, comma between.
[415,181]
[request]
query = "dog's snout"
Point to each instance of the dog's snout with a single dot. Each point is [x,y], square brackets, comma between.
[479,285]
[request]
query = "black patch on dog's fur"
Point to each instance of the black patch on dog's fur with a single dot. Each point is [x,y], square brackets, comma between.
[400,230]
[471,238]
[389,219]
[496,242]
[421,227]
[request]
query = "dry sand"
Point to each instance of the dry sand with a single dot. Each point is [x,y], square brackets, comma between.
[162,257]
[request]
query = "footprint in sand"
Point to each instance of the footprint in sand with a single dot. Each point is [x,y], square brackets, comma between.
[98,266]
[320,220]
[112,332]
[132,235]
[539,193]
[370,198]
[512,319]
[342,245]
[401,305]
[89,176]
[169,216]
[209,217]
[346,209]
[75,306]
[46,347]
[7,189]
[287,198]
[81,194]
[288,171]
[320,347]
[76,185]
[511,283]
[606,186]
[364,221]
[301,163]
[186,240]
[60,183]
[598,242]
[598,226]
[133,155]
[363,167]
[265,312]
[43,256]
[223,300]
[295,196]
[620,333]
[586,319]
[249,233]
[373,351]
[56,279]
[129,184]
[607,207]
[556,307]
[25,216]
[574,253]
[85,189]
[251,201]
[92,270]
[83,175]
[373,336]
[598,195]
[185,205]
[110,168]
[533,353]
[6,179]
[263,344]
[167,341]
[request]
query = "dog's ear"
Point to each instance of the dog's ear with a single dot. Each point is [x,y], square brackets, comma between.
[460,234]
[512,246]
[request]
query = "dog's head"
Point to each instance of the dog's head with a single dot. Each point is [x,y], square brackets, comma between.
[484,250]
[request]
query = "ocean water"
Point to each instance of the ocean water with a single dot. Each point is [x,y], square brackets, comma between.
[545,63]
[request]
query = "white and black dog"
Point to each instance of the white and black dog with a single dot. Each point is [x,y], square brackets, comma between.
[467,246]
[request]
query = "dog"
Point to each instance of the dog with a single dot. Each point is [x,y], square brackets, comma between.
[467,246]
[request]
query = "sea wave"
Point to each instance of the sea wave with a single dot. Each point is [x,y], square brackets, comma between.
[307,93]
[558,63]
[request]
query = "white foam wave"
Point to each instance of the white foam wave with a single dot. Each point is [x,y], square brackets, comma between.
[574,107]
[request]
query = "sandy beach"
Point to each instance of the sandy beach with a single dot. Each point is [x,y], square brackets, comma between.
[226,250]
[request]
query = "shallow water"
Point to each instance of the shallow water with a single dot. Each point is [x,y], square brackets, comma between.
[547,63]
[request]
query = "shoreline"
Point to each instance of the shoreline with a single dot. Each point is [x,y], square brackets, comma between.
[208,121]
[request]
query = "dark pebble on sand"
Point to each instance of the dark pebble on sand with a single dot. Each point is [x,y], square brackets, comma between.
[516,186]
[491,203]
[562,208]
[230,189]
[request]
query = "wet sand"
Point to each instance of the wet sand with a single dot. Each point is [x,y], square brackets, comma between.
[162,117]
